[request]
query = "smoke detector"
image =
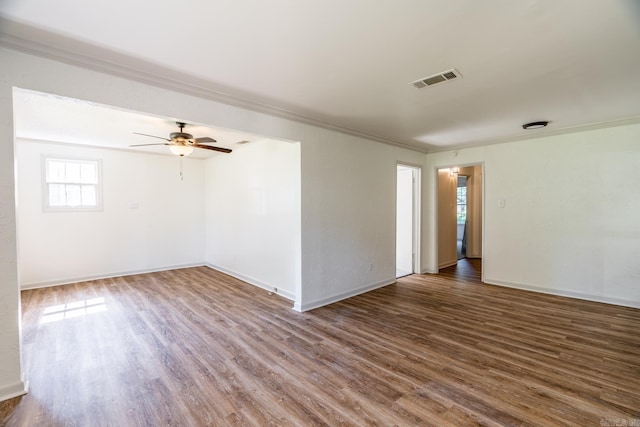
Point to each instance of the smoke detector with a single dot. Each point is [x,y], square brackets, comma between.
[435,79]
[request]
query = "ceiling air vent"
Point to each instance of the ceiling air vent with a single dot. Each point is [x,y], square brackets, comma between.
[436,78]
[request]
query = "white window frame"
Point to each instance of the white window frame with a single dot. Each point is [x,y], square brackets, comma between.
[45,184]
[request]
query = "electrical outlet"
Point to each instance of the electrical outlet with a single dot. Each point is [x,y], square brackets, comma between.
[370,267]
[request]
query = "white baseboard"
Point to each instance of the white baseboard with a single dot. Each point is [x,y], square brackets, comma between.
[68,281]
[255,282]
[447,264]
[240,276]
[565,293]
[14,390]
[339,297]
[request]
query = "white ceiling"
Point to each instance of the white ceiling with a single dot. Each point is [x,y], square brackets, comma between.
[347,63]
[54,118]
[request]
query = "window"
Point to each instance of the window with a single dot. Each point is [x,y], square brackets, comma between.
[71,185]
[462,204]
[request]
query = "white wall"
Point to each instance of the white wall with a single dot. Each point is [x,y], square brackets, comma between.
[12,382]
[166,230]
[253,214]
[570,222]
[348,216]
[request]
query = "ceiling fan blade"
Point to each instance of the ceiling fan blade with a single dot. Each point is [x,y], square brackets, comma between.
[204,139]
[142,145]
[152,136]
[206,147]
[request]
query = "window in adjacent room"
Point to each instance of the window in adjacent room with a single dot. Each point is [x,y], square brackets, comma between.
[461,197]
[71,185]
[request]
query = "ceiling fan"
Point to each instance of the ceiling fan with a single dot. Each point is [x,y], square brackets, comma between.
[182,143]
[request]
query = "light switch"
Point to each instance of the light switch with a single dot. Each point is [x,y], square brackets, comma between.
[501,203]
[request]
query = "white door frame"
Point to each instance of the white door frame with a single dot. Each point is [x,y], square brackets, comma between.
[436,200]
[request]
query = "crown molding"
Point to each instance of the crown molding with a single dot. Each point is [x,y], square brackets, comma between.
[45,44]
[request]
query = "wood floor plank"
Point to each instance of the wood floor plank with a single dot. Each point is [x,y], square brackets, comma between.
[196,347]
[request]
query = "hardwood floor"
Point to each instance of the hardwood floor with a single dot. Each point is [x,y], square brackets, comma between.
[195,347]
[467,269]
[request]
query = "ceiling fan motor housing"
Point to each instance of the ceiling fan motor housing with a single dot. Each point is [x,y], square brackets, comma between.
[182,137]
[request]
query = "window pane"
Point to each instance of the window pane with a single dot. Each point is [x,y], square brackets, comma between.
[73,194]
[56,195]
[55,171]
[88,195]
[73,172]
[462,205]
[462,214]
[72,184]
[88,173]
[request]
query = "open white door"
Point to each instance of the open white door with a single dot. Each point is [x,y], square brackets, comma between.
[407,220]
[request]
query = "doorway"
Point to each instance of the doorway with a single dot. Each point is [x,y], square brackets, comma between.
[459,212]
[407,220]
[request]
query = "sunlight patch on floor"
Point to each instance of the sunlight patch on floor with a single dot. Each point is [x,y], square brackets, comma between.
[70,310]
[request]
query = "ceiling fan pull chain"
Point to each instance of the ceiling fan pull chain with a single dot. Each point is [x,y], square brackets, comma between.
[181,176]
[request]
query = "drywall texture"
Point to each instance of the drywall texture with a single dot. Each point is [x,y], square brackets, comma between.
[253,214]
[151,219]
[569,224]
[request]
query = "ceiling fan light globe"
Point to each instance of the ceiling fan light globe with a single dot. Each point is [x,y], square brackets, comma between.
[181,150]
